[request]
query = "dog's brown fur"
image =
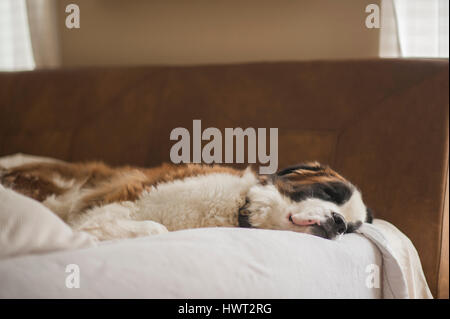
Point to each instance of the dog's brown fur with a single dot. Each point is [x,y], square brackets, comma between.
[37,180]
[126,183]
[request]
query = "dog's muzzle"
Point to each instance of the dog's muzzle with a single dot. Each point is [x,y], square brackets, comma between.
[340,225]
[332,227]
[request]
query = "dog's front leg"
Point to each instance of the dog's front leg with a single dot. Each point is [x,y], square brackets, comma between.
[114,221]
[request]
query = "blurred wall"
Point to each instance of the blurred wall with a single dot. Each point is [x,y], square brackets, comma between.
[117,32]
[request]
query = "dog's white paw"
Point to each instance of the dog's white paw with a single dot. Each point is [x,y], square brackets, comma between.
[146,228]
[115,221]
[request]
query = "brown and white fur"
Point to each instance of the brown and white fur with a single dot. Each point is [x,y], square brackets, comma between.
[112,203]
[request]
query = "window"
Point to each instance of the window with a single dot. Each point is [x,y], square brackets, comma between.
[414,28]
[15,44]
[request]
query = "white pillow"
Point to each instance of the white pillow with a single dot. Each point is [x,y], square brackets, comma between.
[28,227]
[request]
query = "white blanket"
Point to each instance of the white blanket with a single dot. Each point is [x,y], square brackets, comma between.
[214,263]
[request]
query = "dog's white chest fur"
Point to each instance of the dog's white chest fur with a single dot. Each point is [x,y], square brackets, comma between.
[201,201]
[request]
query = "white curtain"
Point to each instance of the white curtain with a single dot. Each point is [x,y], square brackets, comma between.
[414,28]
[15,45]
[43,21]
[29,36]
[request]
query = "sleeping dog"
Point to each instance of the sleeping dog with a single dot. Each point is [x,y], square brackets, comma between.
[112,203]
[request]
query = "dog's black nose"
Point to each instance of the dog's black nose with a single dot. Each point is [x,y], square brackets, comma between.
[340,224]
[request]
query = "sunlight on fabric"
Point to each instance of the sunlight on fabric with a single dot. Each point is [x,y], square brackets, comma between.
[15,45]
[414,28]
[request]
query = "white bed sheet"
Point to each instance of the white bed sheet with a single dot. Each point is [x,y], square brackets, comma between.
[209,263]
[202,263]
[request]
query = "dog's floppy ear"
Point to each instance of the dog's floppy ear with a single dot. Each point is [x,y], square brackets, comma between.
[310,166]
[351,227]
[369,215]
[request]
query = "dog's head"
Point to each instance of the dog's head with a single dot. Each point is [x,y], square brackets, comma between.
[308,198]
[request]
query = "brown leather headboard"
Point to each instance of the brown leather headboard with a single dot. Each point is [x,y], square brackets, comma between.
[382,123]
